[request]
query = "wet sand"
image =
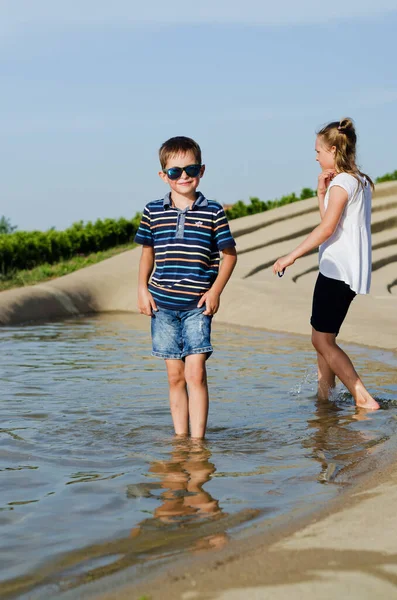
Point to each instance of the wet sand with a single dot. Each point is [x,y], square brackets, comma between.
[350,549]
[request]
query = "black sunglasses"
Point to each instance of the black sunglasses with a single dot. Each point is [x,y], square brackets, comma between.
[176,172]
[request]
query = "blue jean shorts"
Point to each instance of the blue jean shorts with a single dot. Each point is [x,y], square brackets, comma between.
[178,333]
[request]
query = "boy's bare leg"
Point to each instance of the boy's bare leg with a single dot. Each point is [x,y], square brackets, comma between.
[326,378]
[178,395]
[341,365]
[196,379]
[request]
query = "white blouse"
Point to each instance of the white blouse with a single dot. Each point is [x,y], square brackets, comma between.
[346,255]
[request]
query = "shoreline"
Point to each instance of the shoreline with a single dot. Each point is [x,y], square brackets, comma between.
[264,561]
[214,573]
[259,535]
[346,545]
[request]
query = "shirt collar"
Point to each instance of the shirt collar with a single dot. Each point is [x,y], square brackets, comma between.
[199,202]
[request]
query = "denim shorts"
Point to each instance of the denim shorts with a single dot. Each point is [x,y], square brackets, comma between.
[178,333]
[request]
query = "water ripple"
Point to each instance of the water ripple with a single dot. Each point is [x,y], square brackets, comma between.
[92,480]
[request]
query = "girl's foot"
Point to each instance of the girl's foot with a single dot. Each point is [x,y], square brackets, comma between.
[368,403]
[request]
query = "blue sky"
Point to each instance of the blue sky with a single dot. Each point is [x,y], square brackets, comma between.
[90,89]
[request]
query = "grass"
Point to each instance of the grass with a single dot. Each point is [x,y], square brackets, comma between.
[46,272]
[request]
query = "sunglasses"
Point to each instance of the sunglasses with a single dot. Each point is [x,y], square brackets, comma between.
[176,172]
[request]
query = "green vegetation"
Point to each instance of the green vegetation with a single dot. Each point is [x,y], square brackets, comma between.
[46,271]
[28,257]
[29,249]
[240,209]
[5,225]
[387,177]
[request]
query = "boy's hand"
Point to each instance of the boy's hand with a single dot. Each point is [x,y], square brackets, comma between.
[324,179]
[211,300]
[146,303]
[282,263]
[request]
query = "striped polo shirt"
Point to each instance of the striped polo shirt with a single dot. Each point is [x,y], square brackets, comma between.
[186,247]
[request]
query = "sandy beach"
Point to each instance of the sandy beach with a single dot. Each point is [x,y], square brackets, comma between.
[349,549]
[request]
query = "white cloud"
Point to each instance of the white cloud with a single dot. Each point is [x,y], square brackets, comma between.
[38,15]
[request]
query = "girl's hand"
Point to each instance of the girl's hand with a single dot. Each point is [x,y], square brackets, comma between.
[324,179]
[282,263]
[146,302]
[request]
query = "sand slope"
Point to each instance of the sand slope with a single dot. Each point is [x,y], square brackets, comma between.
[254,297]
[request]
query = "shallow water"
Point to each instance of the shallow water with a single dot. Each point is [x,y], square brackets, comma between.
[92,479]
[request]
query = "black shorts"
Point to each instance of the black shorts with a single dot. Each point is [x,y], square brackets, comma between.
[331,301]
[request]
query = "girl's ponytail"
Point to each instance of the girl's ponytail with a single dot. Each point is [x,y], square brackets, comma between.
[342,135]
[346,125]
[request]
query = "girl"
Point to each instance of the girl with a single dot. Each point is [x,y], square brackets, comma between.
[344,237]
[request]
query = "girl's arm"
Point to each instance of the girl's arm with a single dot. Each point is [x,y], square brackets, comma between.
[324,179]
[337,201]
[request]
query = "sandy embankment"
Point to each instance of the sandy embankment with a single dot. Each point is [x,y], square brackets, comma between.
[349,553]
[254,296]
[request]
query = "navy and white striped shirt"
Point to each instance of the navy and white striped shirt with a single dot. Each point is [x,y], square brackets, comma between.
[186,248]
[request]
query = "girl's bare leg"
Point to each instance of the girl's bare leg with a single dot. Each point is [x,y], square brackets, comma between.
[326,378]
[341,365]
[178,395]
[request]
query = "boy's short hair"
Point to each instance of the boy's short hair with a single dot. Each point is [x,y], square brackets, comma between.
[176,145]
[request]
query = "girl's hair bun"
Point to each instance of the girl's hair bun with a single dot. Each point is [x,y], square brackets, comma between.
[346,125]
[342,138]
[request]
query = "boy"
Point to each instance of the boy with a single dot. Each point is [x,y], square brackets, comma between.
[183,234]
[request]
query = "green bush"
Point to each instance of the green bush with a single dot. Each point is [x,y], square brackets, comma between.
[5,225]
[307,193]
[240,209]
[28,249]
[387,177]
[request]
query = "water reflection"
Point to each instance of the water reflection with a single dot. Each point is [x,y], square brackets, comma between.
[89,468]
[337,441]
[183,499]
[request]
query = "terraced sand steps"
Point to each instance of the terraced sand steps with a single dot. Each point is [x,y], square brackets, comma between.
[286,304]
[254,296]
[272,238]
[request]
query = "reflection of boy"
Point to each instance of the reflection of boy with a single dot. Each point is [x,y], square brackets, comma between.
[183,478]
[183,500]
[184,234]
